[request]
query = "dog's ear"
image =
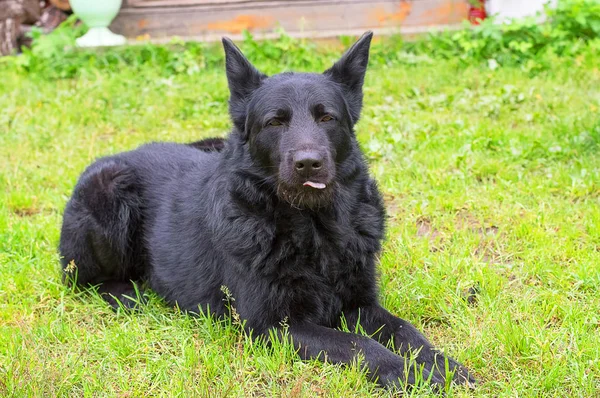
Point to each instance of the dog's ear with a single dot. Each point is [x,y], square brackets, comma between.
[350,71]
[243,78]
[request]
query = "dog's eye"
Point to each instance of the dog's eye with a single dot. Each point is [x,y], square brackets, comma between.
[327,118]
[274,123]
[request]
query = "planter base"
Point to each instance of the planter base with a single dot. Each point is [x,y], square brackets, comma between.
[100,37]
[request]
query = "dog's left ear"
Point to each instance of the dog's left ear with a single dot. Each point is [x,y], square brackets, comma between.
[350,71]
[243,78]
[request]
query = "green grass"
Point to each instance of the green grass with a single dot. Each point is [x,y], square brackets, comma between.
[491,179]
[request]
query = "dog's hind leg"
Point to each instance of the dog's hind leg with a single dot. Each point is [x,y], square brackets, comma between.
[99,243]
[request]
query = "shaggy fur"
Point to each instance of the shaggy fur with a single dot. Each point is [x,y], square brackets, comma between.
[209,144]
[283,214]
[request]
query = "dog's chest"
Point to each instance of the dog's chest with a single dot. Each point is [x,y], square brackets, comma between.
[314,265]
[314,244]
[324,265]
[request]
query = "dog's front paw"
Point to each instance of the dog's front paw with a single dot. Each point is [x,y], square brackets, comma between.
[444,367]
[408,374]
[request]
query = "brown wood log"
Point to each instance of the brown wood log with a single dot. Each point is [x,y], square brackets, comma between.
[9,9]
[9,32]
[61,4]
[28,11]
[12,14]
[51,18]
[31,11]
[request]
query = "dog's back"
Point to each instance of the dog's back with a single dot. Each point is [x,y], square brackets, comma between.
[106,221]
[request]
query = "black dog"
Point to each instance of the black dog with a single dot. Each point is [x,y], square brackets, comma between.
[282,216]
[209,144]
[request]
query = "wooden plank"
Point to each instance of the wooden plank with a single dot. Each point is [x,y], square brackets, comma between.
[296,17]
[174,3]
[408,33]
[212,3]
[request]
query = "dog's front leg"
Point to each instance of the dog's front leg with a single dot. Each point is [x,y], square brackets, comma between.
[386,328]
[318,342]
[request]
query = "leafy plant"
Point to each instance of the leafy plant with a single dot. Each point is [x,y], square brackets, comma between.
[474,3]
[523,42]
[571,28]
[576,19]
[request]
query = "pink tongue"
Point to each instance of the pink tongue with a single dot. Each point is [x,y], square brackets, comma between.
[316,185]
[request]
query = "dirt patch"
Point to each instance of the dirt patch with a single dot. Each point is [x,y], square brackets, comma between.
[393,205]
[468,221]
[26,211]
[487,249]
[425,229]
[30,211]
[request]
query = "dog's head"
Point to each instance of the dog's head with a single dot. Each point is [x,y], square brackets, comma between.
[298,126]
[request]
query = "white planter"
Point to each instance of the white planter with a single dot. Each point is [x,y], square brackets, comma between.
[505,10]
[98,14]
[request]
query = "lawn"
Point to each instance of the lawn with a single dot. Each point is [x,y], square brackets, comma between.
[492,183]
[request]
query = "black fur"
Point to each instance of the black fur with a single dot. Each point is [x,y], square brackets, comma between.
[209,144]
[239,214]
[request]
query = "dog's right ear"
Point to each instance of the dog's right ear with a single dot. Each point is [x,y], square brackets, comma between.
[243,78]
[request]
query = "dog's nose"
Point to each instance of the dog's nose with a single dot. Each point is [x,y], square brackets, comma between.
[307,162]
